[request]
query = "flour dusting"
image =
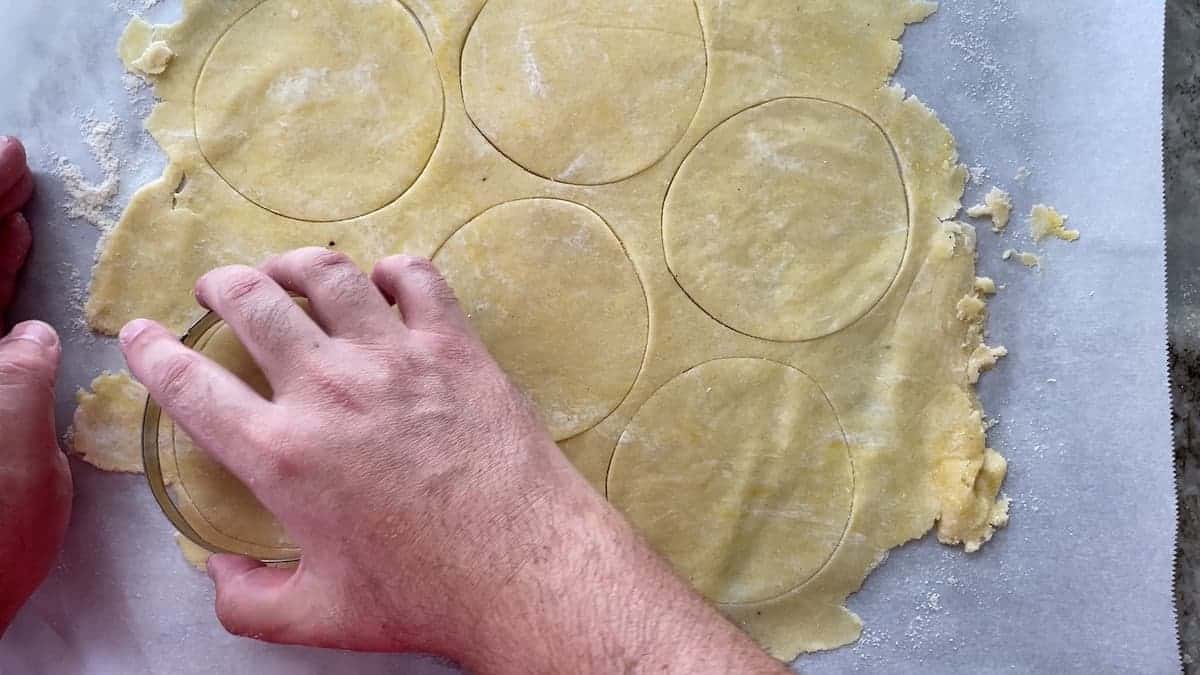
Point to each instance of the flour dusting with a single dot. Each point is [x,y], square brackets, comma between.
[533,72]
[133,7]
[92,202]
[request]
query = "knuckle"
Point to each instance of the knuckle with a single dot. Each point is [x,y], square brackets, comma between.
[23,369]
[419,265]
[451,349]
[441,293]
[424,269]
[431,283]
[324,260]
[175,375]
[281,450]
[240,283]
[285,467]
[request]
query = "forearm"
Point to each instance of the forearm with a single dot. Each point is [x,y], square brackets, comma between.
[595,598]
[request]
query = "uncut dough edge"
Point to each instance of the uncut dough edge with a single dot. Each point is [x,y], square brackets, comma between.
[951,479]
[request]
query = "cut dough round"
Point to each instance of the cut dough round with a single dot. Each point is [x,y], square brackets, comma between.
[614,85]
[789,221]
[325,112]
[738,472]
[553,294]
[215,503]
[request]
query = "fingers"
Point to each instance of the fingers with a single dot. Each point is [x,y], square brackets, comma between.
[12,163]
[259,602]
[16,196]
[343,299]
[15,241]
[425,300]
[268,322]
[29,358]
[220,412]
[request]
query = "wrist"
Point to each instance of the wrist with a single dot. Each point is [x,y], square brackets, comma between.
[588,595]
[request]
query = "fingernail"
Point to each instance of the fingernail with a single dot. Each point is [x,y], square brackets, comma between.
[35,331]
[132,330]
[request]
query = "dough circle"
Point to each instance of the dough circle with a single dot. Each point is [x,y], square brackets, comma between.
[323,113]
[739,473]
[614,85]
[557,300]
[214,502]
[788,221]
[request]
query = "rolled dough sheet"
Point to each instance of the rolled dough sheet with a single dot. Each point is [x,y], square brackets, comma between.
[710,240]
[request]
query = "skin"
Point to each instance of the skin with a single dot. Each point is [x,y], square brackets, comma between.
[435,512]
[35,480]
[16,187]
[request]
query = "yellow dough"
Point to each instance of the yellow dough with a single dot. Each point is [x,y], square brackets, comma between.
[614,84]
[221,509]
[1044,222]
[526,273]
[688,476]
[320,110]
[997,205]
[769,239]
[194,555]
[710,239]
[107,429]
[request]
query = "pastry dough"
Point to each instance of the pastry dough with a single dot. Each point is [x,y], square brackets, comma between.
[614,84]
[320,110]
[997,205]
[748,516]
[767,225]
[107,428]
[1044,222]
[709,239]
[221,509]
[526,273]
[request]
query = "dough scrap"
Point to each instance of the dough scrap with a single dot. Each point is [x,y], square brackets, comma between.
[998,205]
[154,60]
[107,429]
[1044,222]
[884,344]
[983,359]
[1026,258]
[971,308]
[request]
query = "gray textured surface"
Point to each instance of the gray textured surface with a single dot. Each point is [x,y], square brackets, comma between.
[1182,162]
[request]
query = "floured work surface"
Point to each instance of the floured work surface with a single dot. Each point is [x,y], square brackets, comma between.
[707,239]
[1080,583]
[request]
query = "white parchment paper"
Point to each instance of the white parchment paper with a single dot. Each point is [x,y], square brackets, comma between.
[1080,581]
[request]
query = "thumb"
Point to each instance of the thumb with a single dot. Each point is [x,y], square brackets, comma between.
[257,601]
[29,358]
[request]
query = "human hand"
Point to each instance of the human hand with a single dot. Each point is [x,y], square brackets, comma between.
[16,186]
[434,512]
[35,479]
